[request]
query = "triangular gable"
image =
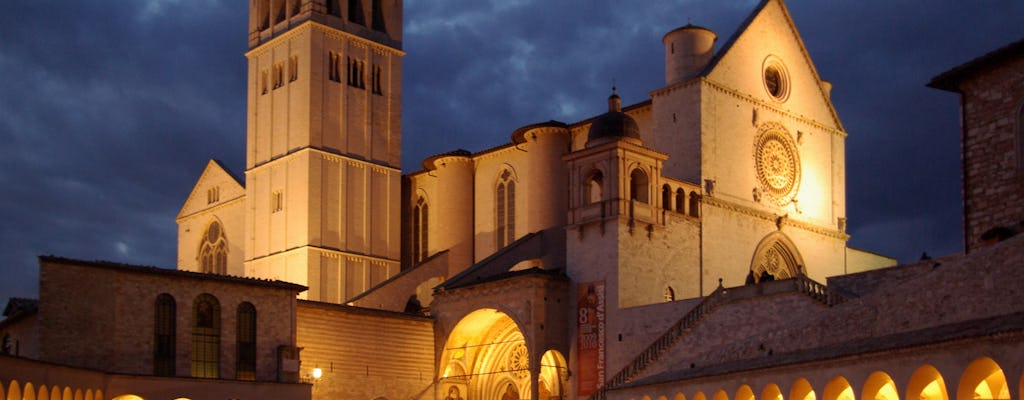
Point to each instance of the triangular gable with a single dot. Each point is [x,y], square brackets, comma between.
[770,31]
[215,175]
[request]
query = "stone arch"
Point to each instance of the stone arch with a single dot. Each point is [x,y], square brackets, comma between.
[771,391]
[98,394]
[699,396]
[44,394]
[67,395]
[744,393]
[694,204]
[983,379]
[639,185]
[55,393]
[79,395]
[802,390]
[29,392]
[776,256]
[721,395]
[838,389]
[554,374]
[679,396]
[879,386]
[666,197]
[593,186]
[680,200]
[662,397]
[128,397]
[926,383]
[489,348]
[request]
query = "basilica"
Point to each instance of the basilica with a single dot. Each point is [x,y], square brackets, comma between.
[691,246]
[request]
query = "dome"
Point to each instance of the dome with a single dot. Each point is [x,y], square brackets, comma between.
[613,124]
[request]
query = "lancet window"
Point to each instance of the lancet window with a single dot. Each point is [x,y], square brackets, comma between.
[419,230]
[638,183]
[505,201]
[164,335]
[245,343]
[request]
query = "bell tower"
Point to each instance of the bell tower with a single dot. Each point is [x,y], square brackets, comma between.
[323,150]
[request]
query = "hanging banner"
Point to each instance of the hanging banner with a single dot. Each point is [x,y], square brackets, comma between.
[590,351]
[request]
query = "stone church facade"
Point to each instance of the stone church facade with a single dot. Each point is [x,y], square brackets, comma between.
[691,246]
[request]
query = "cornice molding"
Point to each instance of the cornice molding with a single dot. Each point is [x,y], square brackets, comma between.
[307,26]
[779,219]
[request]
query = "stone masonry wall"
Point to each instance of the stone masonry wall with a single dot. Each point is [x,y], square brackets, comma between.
[993,171]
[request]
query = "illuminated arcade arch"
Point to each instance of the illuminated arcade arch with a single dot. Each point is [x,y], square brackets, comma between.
[486,356]
[838,389]
[983,379]
[926,383]
[802,390]
[771,392]
[880,386]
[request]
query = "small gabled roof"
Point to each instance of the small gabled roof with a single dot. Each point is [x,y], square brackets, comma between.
[950,80]
[213,167]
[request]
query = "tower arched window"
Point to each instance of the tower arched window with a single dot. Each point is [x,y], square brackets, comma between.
[666,197]
[670,294]
[419,230]
[213,251]
[205,337]
[164,335]
[355,12]
[594,187]
[638,186]
[505,199]
[245,342]
[378,17]
[333,8]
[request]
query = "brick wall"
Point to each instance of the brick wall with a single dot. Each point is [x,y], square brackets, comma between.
[993,181]
[365,354]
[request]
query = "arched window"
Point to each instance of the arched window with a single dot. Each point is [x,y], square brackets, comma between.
[378,17]
[333,8]
[213,251]
[666,197]
[594,187]
[164,335]
[694,204]
[355,12]
[505,198]
[638,186]
[670,294]
[264,15]
[278,11]
[419,230]
[206,337]
[245,342]
[680,200]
